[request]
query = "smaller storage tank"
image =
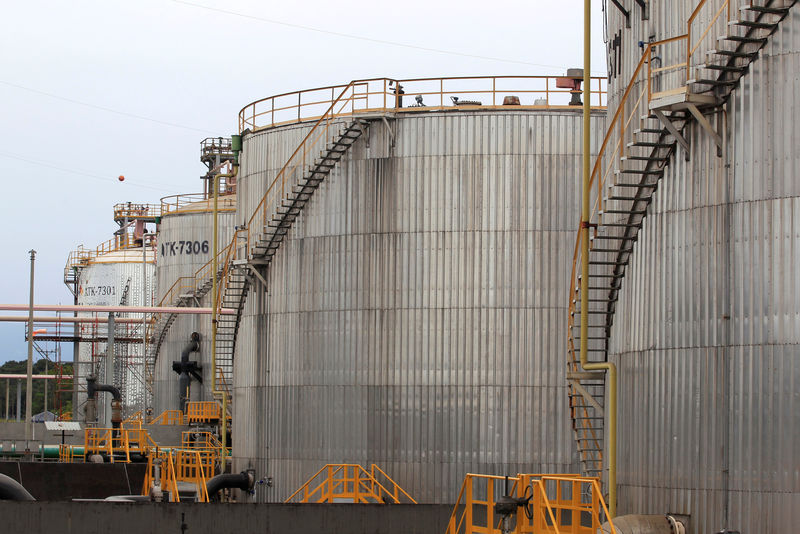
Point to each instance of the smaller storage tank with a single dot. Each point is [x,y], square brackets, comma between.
[185,246]
[118,273]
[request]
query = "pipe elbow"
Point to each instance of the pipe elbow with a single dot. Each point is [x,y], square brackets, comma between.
[192,346]
[11,490]
[243,481]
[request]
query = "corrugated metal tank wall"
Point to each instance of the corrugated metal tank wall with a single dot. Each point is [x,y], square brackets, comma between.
[104,283]
[707,327]
[416,313]
[192,225]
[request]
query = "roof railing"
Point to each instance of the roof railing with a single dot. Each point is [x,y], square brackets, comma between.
[417,95]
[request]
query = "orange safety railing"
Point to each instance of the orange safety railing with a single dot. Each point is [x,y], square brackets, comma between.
[82,256]
[348,483]
[559,504]
[380,95]
[397,492]
[191,439]
[118,448]
[66,453]
[134,421]
[223,385]
[98,441]
[169,417]
[194,202]
[129,210]
[178,465]
[203,411]
[194,467]
[673,59]
[168,480]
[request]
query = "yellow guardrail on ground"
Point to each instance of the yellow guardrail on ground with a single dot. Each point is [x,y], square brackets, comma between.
[350,483]
[557,504]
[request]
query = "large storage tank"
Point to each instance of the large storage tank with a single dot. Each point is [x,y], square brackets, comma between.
[706,330]
[185,246]
[414,316]
[115,275]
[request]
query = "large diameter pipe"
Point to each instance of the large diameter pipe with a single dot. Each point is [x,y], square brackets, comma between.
[243,481]
[47,451]
[610,368]
[11,490]
[115,309]
[55,319]
[110,362]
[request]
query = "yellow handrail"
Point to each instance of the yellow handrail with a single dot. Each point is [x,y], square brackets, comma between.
[168,417]
[347,482]
[380,94]
[133,211]
[558,504]
[397,490]
[82,256]
[185,202]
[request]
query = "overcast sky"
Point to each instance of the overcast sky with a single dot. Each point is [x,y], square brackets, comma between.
[90,90]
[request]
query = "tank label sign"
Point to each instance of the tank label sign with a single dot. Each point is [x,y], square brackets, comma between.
[99,291]
[187,248]
[100,285]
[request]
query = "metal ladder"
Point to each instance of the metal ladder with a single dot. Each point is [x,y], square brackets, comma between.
[242,273]
[628,195]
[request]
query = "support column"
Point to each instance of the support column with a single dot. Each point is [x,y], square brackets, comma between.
[109,376]
[19,401]
[29,388]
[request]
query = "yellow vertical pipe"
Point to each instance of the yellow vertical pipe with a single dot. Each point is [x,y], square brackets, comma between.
[610,368]
[214,391]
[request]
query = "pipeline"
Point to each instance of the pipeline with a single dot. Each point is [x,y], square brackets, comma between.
[185,368]
[47,451]
[645,524]
[116,403]
[11,490]
[243,481]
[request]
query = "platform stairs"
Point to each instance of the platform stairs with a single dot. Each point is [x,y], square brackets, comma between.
[184,292]
[254,246]
[646,132]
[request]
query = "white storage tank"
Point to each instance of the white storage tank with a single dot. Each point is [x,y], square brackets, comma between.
[115,275]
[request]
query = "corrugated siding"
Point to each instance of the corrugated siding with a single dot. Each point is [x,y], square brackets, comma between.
[416,313]
[174,228]
[707,328]
[118,275]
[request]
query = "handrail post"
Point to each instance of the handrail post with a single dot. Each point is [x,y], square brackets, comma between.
[468,505]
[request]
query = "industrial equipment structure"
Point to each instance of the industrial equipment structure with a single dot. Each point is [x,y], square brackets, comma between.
[402,266]
[119,272]
[183,273]
[393,262]
[691,293]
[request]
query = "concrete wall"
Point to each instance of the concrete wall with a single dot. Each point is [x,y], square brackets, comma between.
[101,518]
[48,481]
